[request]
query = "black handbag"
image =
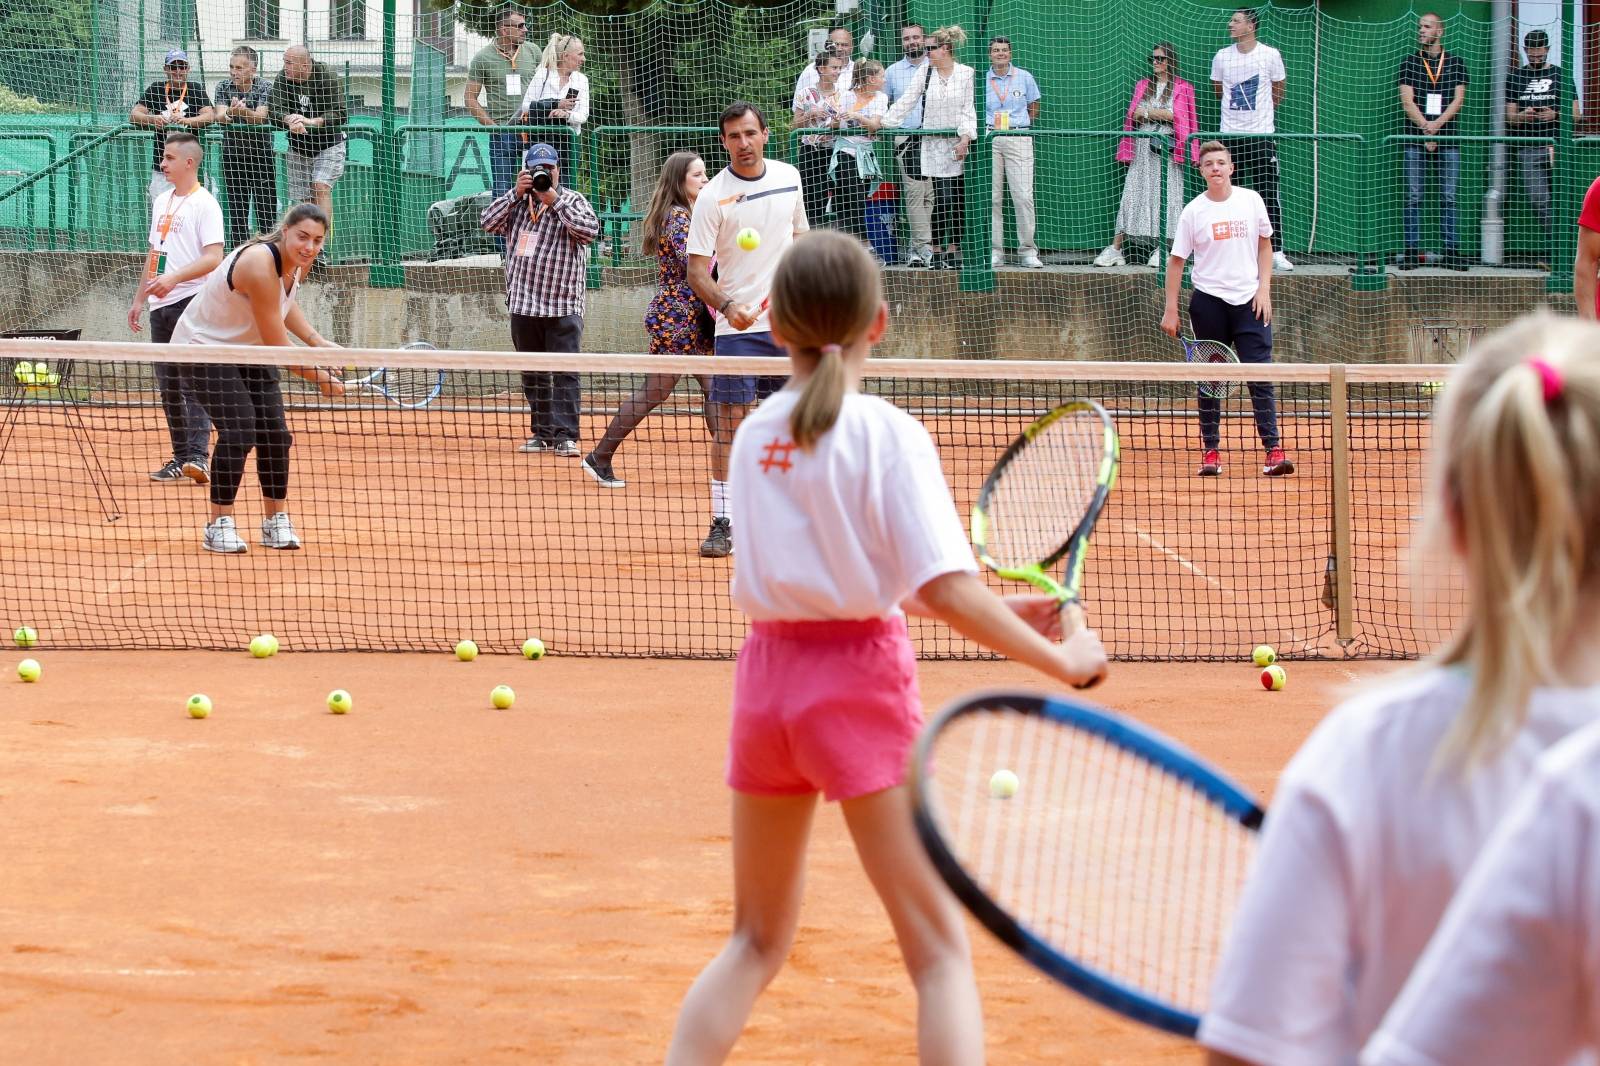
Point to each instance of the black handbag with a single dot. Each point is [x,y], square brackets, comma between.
[1161,144]
[908,153]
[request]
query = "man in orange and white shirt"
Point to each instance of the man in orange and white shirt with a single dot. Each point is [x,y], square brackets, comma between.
[172,103]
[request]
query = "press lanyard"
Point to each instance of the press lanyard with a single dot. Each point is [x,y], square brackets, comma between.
[1433,75]
[164,226]
[167,91]
[999,94]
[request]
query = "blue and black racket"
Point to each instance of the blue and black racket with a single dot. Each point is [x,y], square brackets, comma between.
[409,387]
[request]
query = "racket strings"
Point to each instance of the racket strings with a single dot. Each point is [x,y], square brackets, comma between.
[1112,862]
[1042,495]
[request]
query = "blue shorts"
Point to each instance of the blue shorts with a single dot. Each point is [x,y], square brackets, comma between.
[744,388]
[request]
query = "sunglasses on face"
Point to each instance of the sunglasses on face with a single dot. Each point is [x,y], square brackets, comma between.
[177,66]
[1160,59]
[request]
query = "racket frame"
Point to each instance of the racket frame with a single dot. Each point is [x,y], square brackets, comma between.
[375,381]
[1215,390]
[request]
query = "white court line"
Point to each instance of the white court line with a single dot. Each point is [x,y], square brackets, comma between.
[1152,542]
[128,572]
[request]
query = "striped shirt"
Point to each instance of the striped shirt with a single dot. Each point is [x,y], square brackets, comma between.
[546,280]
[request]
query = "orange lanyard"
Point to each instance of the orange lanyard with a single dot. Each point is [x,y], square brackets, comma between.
[999,93]
[167,92]
[512,58]
[535,209]
[1433,75]
[164,226]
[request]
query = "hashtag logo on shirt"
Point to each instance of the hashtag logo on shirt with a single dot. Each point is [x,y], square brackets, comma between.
[773,460]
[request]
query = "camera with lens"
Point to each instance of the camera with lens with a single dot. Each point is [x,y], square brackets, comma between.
[543,178]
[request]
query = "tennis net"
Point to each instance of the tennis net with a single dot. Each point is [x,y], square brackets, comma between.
[425,526]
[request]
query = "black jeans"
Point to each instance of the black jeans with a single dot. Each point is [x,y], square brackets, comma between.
[850,198]
[247,405]
[187,425]
[1236,325]
[814,184]
[947,204]
[553,397]
[251,180]
[1255,166]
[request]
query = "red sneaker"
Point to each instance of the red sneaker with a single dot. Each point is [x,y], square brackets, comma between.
[1277,463]
[1210,463]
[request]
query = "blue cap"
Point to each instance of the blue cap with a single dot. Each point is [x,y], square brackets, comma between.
[177,55]
[541,155]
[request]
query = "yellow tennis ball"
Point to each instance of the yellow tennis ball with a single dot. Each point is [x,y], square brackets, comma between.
[1273,678]
[25,636]
[199,705]
[23,372]
[1264,655]
[264,646]
[29,669]
[339,701]
[53,379]
[502,696]
[533,648]
[466,651]
[1003,785]
[748,239]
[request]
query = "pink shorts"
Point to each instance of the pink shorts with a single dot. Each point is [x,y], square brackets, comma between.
[829,706]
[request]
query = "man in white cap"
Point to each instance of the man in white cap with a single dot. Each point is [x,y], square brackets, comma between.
[174,102]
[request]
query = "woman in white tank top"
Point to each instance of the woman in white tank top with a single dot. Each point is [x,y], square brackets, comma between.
[250,299]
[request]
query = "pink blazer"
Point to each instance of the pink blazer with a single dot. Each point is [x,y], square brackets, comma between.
[1182,112]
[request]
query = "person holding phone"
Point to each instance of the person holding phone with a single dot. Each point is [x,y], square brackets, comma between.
[558,94]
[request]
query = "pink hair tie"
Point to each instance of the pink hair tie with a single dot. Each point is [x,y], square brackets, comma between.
[831,349]
[1549,378]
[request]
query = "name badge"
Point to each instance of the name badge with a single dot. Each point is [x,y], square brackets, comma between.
[514,84]
[524,243]
[1435,105]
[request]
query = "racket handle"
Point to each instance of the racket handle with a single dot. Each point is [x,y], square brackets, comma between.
[1073,618]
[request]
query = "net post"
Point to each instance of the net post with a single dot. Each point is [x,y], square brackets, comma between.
[1339,430]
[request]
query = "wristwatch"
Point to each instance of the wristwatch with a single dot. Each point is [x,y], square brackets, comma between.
[723,310]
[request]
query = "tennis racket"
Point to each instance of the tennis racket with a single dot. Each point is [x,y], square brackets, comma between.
[408,387]
[1198,351]
[1102,852]
[1039,504]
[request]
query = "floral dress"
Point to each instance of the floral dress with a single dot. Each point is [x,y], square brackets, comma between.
[670,318]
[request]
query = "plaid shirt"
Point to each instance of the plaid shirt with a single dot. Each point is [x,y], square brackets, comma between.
[548,282]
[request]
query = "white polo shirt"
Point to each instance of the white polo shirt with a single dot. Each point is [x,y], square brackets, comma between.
[847,530]
[1224,238]
[196,221]
[773,206]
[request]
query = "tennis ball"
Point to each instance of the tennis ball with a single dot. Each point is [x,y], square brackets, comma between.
[339,701]
[748,239]
[23,372]
[199,705]
[53,379]
[1003,785]
[1264,655]
[1273,678]
[466,651]
[502,696]
[28,669]
[25,636]
[533,648]
[264,646]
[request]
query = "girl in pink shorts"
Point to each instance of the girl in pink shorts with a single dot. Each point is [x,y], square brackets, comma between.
[846,524]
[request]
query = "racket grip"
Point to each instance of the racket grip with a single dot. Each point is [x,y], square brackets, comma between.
[1073,618]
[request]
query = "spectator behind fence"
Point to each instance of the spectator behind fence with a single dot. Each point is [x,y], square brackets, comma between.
[945,93]
[173,102]
[1011,101]
[548,229]
[1433,87]
[818,108]
[854,168]
[916,191]
[558,95]
[842,44]
[502,71]
[249,169]
[1533,109]
[1249,77]
[308,100]
[1152,194]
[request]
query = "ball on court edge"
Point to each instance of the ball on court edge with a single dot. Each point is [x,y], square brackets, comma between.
[264,647]
[339,701]
[1273,678]
[748,239]
[25,636]
[502,696]
[199,705]
[1003,785]
[28,669]
[466,651]
[1264,655]
[533,648]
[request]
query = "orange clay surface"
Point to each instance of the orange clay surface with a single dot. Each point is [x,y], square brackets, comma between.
[429,880]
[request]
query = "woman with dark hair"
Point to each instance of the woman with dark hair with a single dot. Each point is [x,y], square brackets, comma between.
[1162,104]
[673,317]
[819,107]
[250,299]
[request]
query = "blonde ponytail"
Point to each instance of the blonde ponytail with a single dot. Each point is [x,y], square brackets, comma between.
[821,400]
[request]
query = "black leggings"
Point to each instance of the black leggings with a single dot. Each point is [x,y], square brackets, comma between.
[246,406]
[814,182]
[947,193]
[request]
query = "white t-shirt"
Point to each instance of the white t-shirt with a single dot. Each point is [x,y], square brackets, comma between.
[773,206]
[847,530]
[1247,79]
[809,79]
[196,222]
[1224,236]
[1513,974]
[1364,844]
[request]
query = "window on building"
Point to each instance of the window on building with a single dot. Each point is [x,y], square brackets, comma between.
[179,21]
[261,20]
[348,20]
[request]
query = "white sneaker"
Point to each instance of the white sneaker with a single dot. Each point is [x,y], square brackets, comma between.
[278,532]
[997,260]
[1281,262]
[1155,259]
[1031,262]
[1111,256]
[222,537]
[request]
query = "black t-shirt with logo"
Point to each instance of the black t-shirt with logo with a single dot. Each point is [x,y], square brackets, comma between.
[1541,87]
[161,98]
[1432,76]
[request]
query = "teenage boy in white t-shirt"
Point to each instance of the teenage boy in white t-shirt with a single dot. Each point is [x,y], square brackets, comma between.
[1249,78]
[763,195]
[1228,232]
[186,232]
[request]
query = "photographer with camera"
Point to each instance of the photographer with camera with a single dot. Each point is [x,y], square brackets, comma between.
[558,94]
[547,230]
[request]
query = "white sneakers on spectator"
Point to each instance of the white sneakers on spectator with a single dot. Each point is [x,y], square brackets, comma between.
[1031,262]
[222,537]
[997,260]
[1281,262]
[1111,256]
[1155,259]
[277,532]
